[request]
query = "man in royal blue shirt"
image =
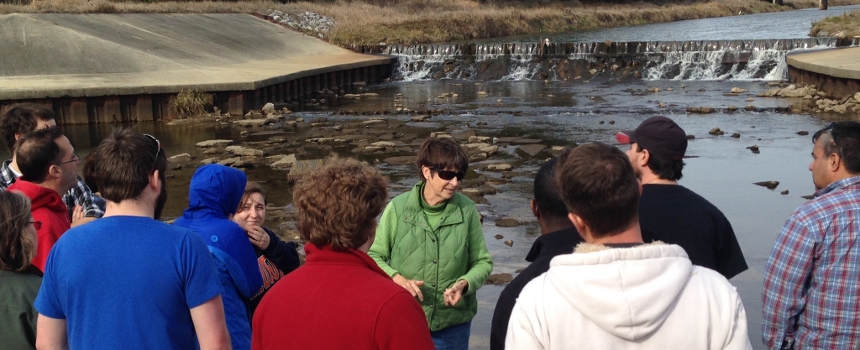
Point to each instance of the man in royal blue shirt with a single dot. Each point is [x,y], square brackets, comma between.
[128,281]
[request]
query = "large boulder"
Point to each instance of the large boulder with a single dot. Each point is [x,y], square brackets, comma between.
[214,143]
[243,151]
[286,162]
[531,149]
[251,122]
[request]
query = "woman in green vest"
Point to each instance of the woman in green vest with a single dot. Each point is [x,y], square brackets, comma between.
[430,241]
[19,280]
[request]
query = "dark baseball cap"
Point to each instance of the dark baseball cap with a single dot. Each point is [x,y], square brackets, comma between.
[659,135]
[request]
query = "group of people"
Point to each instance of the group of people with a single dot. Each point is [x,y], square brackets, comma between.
[628,258]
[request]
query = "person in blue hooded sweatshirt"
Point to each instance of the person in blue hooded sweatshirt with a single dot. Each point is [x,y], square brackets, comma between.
[213,196]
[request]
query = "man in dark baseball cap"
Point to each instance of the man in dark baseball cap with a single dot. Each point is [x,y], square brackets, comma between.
[672,213]
[659,135]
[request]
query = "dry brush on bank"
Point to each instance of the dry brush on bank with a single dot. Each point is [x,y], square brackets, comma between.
[363,22]
[846,25]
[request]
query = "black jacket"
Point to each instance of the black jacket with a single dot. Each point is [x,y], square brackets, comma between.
[279,259]
[543,250]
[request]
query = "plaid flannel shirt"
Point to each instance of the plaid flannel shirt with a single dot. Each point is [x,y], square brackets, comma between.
[78,195]
[811,292]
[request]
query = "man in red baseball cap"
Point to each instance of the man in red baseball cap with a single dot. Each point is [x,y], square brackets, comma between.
[672,213]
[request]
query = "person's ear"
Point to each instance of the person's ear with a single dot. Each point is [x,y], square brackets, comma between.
[426,172]
[18,136]
[534,207]
[580,226]
[154,181]
[55,171]
[644,157]
[834,162]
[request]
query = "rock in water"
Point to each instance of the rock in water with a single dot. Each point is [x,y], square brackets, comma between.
[509,243]
[769,184]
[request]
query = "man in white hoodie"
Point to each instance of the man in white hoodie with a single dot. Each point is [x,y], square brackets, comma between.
[614,291]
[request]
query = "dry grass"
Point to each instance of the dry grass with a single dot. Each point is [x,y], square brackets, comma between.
[190,103]
[848,23]
[422,21]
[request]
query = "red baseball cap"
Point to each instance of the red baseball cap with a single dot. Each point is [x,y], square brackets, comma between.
[659,135]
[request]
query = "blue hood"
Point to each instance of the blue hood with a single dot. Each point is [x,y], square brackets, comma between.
[215,191]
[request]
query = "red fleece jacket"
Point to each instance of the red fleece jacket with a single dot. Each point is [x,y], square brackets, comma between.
[48,207]
[339,300]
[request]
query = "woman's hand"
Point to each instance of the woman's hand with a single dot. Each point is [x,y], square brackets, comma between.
[258,237]
[455,293]
[412,286]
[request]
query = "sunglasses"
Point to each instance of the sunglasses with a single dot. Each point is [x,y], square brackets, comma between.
[158,143]
[36,224]
[449,175]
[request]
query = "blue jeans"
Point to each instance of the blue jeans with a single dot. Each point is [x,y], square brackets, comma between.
[452,338]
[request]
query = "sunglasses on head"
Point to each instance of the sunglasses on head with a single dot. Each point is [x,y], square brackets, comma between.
[448,175]
[157,143]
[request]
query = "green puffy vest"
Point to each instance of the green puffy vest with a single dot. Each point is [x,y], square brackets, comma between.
[406,244]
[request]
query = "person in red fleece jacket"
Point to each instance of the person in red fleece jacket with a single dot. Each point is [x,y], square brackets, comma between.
[48,165]
[340,299]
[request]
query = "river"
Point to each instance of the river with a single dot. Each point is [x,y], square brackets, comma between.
[562,112]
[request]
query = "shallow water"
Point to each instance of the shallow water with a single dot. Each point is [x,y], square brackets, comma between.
[720,168]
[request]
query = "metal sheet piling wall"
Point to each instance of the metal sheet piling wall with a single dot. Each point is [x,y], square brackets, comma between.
[146,107]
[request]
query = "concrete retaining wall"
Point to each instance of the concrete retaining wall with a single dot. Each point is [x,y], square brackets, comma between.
[104,68]
[835,71]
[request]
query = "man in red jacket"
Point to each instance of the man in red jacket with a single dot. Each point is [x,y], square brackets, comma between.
[48,166]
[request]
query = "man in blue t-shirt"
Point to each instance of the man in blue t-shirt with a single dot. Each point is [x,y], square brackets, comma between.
[128,281]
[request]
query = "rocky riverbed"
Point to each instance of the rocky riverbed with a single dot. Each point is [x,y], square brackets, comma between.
[748,153]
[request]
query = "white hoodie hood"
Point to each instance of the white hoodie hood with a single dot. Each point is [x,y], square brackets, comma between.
[626,292]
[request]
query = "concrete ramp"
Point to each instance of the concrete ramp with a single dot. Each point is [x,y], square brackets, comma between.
[834,71]
[71,55]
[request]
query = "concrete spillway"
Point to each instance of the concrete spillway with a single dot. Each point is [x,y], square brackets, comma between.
[112,67]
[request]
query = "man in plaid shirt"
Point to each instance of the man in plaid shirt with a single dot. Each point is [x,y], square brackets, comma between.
[811,297]
[21,118]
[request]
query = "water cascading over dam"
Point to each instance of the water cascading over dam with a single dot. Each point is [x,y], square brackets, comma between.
[651,60]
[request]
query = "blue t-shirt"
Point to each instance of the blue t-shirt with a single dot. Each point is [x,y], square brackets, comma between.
[127,282]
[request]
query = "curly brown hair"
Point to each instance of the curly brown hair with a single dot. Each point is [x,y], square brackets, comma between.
[16,248]
[338,204]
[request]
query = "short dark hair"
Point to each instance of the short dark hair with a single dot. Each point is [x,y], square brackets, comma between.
[441,153]
[21,118]
[120,166]
[546,192]
[252,187]
[664,167]
[597,182]
[338,204]
[36,152]
[844,140]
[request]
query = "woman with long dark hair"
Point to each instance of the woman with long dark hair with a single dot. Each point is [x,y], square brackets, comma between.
[19,280]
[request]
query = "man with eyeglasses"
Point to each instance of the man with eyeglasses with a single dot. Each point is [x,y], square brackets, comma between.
[129,281]
[21,118]
[811,297]
[48,166]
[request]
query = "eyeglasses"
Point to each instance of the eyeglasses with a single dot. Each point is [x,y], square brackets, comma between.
[75,158]
[158,143]
[449,175]
[36,224]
